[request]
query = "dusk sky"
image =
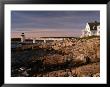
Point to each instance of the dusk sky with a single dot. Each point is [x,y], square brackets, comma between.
[51,23]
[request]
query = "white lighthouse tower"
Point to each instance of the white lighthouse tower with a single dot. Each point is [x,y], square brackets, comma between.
[22,37]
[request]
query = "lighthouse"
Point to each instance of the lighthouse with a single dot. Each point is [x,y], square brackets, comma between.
[22,37]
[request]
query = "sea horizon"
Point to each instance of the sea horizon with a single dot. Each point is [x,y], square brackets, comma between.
[38,34]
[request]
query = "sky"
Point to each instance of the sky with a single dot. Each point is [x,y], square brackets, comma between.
[51,23]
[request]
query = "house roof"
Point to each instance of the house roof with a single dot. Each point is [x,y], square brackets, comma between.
[93,25]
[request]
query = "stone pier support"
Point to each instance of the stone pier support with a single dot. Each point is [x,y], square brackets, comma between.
[44,41]
[34,40]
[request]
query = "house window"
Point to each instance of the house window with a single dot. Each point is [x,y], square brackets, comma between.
[98,32]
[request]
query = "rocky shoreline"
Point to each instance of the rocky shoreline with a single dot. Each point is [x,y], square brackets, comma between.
[72,57]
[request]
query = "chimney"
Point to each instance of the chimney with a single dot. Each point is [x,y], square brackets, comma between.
[95,22]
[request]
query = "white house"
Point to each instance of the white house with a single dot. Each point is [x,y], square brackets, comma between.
[92,28]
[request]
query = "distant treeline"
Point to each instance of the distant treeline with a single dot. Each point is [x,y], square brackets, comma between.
[15,39]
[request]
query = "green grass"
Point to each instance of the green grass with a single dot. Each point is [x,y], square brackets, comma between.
[90,37]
